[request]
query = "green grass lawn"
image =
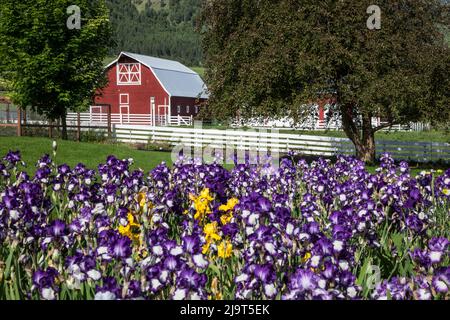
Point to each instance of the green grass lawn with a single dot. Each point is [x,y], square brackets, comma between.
[92,154]
[72,153]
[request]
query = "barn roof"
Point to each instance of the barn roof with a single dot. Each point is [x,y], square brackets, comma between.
[177,79]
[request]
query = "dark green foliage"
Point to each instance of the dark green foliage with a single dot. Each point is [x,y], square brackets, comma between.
[48,66]
[163,29]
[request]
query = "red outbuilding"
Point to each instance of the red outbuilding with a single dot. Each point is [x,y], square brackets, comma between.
[151,88]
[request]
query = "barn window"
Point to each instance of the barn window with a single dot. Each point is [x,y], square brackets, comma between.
[129,74]
[179,109]
[196,109]
[187,109]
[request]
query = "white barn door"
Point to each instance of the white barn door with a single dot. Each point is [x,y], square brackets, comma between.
[124,108]
[152,111]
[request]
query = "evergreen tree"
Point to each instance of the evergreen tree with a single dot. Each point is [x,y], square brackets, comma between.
[166,31]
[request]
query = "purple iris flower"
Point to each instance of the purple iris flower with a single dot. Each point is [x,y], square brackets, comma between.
[109,291]
[303,280]
[191,244]
[330,270]
[312,228]
[264,204]
[265,273]
[57,228]
[44,282]
[45,278]
[63,169]
[438,244]
[189,279]
[121,247]
[441,280]
[230,230]
[421,257]
[13,157]
[414,223]
[42,173]
[10,202]
[324,246]
[134,290]
[171,263]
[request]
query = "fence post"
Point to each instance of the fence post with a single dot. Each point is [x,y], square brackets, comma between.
[50,129]
[7,113]
[78,127]
[109,121]
[19,122]
[25,116]
[431,151]
[425,152]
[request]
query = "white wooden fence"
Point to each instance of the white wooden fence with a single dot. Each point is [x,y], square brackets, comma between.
[315,124]
[101,119]
[264,140]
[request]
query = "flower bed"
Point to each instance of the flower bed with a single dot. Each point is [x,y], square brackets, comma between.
[301,231]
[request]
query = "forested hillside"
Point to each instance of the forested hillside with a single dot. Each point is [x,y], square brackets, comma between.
[162,28]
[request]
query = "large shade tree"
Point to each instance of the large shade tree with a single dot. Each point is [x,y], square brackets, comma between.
[52,65]
[275,57]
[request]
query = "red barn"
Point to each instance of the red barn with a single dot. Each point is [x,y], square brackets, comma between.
[160,89]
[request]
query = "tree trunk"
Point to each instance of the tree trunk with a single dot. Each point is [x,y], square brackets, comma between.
[366,153]
[363,138]
[64,135]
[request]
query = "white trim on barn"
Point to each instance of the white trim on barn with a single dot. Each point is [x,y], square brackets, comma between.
[124,95]
[170,106]
[129,74]
[124,105]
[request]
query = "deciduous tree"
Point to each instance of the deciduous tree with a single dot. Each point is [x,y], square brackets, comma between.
[51,66]
[274,57]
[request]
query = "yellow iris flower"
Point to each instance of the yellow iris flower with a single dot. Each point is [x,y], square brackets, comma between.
[306,257]
[228,208]
[205,247]
[202,204]
[226,218]
[142,200]
[211,234]
[132,230]
[216,294]
[211,231]
[225,249]
[231,203]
